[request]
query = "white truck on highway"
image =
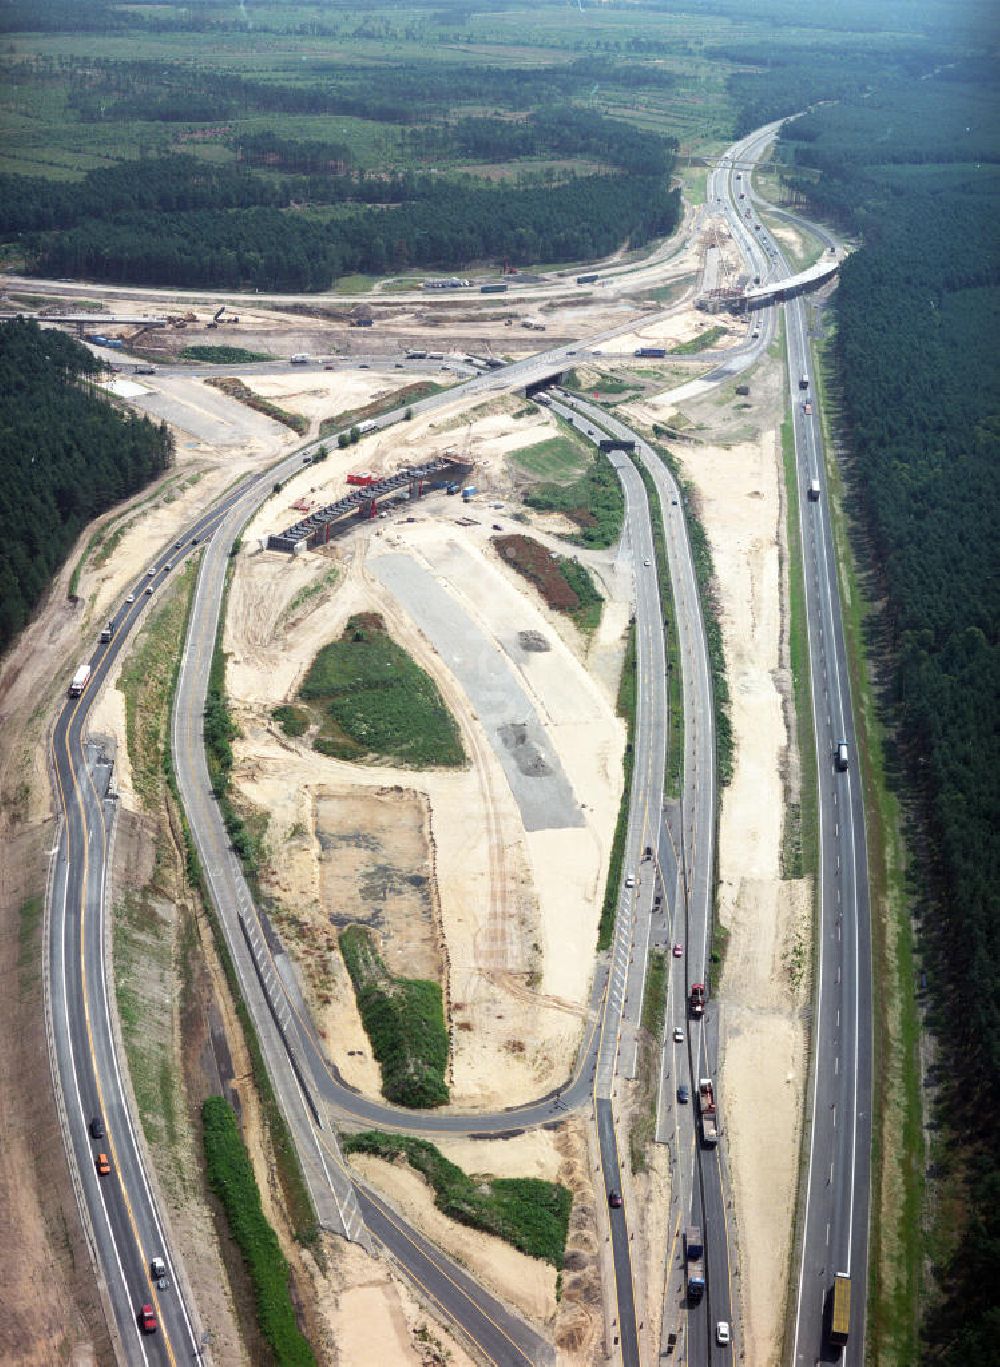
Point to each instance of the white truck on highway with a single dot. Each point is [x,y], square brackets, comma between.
[79,681]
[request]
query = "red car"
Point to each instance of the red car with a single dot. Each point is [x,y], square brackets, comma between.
[147,1320]
[678,951]
[615,1200]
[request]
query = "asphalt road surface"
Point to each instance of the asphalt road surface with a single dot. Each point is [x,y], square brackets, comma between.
[121,1208]
[835,1219]
[835,1233]
[121,1213]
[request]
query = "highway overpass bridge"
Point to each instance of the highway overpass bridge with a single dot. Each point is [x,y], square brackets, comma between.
[760,296]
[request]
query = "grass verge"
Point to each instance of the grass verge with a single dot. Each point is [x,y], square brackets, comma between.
[703,340]
[704,568]
[558,458]
[642,1130]
[224,355]
[231,1177]
[291,1179]
[800,837]
[372,699]
[147,683]
[236,389]
[898,1157]
[626,709]
[527,1212]
[246,832]
[402,398]
[29,959]
[595,502]
[675,691]
[404,1020]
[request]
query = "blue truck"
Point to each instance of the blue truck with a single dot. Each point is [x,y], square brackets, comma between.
[694,1253]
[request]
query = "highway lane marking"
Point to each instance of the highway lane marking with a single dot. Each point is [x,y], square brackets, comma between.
[69,1034]
[61,943]
[432,1258]
[118,1171]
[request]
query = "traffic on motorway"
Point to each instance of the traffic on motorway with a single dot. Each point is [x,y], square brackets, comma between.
[153,1311]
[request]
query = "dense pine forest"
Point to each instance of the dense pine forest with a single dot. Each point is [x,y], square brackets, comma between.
[66,455]
[295,213]
[913,167]
[265,248]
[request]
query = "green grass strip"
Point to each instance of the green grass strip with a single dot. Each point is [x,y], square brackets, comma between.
[704,339]
[224,355]
[236,389]
[231,1177]
[675,691]
[626,709]
[800,844]
[595,502]
[404,1020]
[527,1212]
[704,568]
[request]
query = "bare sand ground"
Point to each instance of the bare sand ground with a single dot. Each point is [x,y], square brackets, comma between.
[518,912]
[375,1318]
[741,505]
[526,1283]
[573,1319]
[515,914]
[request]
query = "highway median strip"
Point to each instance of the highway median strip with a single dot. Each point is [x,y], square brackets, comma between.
[626,709]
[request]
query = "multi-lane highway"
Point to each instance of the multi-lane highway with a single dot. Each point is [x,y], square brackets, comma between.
[834,1218]
[121,1214]
[121,1210]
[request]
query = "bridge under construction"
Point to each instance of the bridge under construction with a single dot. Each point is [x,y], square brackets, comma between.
[333,519]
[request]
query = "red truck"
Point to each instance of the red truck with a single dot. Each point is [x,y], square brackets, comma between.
[696,1000]
[362,477]
[708,1113]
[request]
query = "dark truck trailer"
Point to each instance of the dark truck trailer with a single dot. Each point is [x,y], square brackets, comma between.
[494,289]
[616,444]
[657,353]
[586,279]
[694,1254]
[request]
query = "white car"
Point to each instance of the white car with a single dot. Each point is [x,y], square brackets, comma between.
[646,561]
[722,1332]
[630,881]
[130,598]
[678,1035]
